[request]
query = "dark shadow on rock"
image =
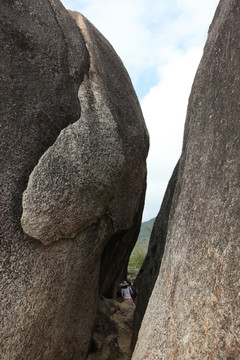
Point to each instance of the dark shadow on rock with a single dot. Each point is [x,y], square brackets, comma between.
[116,255]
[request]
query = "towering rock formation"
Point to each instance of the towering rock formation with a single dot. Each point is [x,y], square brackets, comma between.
[193,312]
[73,168]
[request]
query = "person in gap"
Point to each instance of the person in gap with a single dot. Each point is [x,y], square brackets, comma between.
[134,292]
[126,292]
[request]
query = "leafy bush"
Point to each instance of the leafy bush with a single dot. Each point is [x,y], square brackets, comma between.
[137,257]
[135,262]
[140,250]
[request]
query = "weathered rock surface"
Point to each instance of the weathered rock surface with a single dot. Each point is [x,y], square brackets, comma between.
[90,155]
[194,312]
[72,169]
[112,333]
[146,278]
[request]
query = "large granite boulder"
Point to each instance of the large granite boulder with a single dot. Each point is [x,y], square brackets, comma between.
[73,176]
[194,312]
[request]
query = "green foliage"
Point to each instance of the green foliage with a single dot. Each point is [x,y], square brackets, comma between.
[135,262]
[137,257]
[140,250]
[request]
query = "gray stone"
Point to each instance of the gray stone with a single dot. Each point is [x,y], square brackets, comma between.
[80,175]
[73,169]
[112,331]
[149,271]
[194,312]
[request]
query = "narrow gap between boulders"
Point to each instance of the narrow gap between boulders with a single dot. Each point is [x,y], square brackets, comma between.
[111,339]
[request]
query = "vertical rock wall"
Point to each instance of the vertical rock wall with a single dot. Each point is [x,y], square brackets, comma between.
[194,312]
[148,274]
[73,152]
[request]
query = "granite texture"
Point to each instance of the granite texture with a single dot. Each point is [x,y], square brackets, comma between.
[193,312]
[73,176]
[149,271]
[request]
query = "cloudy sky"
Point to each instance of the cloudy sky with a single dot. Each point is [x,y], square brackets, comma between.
[160,43]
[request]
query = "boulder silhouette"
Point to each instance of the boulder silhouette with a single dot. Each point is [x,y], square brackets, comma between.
[73,177]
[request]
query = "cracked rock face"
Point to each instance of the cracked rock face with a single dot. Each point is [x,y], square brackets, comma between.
[193,312]
[73,175]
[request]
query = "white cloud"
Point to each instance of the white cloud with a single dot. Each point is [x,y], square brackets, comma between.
[146,33]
